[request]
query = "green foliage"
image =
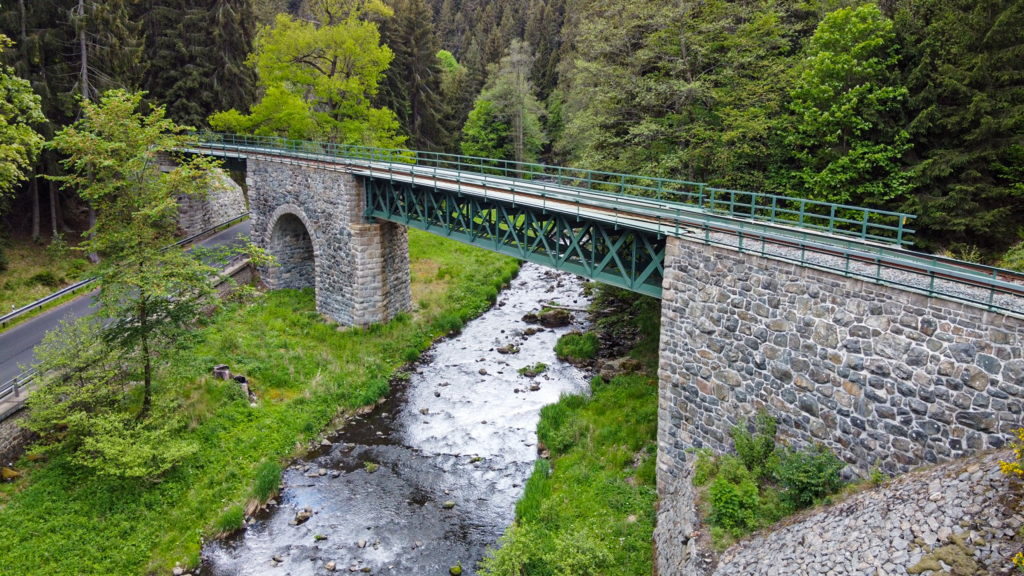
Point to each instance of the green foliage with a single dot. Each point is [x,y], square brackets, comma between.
[808,475]
[57,250]
[304,369]
[196,53]
[849,140]
[878,477]
[756,449]
[735,504]
[1014,258]
[268,478]
[150,294]
[20,109]
[77,268]
[576,347]
[505,122]
[705,467]
[964,72]
[534,370]
[46,278]
[318,76]
[594,512]
[230,520]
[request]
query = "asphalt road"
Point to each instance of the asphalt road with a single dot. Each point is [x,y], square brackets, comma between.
[17,343]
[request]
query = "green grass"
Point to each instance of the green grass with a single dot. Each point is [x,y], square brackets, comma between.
[594,512]
[576,347]
[33,273]
[63,519]
[590,508]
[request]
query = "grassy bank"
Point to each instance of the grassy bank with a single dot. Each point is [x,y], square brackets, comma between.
[37,270]
[590,508]
[61,519]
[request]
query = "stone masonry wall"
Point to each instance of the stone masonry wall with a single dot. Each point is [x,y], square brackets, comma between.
[884,377]
[360,270]
[225,201]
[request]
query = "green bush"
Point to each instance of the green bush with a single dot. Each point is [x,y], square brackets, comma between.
[268,478]
[560,427]
[46,278]
[756,449]
[734,504]
[448,322]
[78,267]
[57,249]
[808,475]
[1013,259]
[705,468]
[575,346]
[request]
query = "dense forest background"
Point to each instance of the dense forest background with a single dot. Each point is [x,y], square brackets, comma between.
[908,105]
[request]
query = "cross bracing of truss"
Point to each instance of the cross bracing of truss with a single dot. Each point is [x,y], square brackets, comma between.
[617,255]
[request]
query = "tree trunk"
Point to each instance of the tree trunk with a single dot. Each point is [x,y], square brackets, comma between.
[81,47]
[34,190]
[147,393]
[53,208]
[94,257]
[55,194]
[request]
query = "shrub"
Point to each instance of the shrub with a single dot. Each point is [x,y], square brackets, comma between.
[808,475]
[78,267]
[4,262]
[46,278]
[57,249]
[705,468]
[734,504]
[756,449]
[1014,468]
[448,322]
[1013,259]
[560,426]
[575,346]
[268,478]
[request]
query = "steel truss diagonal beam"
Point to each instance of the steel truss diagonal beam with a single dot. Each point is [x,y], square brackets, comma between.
[617,255]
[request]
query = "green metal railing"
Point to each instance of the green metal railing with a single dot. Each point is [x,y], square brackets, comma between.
[867,245]
[864,224]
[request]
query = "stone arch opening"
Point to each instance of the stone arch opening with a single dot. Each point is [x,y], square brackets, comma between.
[292,247]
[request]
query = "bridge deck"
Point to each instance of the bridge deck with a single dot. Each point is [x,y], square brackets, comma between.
[863,258]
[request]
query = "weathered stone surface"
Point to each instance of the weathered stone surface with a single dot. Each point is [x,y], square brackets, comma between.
[893,382]
[224,201]
[957,512]
[311,221]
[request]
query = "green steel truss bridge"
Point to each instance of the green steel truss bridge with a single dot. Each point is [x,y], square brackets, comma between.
[612,227]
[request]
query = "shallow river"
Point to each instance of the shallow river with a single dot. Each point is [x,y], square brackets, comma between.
[462,430]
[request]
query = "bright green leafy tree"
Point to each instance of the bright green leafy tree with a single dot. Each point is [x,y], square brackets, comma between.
[849,140]
[150,291]
[20,108]
[319,76]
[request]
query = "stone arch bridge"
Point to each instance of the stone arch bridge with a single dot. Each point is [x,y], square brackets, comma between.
[816,312]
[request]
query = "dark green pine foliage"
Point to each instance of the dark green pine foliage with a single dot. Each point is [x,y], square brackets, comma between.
[197,53]
[413,82]
[966,79]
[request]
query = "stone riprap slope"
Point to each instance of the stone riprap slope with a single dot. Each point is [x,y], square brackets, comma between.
[959,518]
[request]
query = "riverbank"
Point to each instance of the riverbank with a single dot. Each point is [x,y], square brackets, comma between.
[590,507]
[60,519]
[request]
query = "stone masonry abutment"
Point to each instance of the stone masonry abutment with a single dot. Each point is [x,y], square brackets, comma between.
[886,378]
[311,221]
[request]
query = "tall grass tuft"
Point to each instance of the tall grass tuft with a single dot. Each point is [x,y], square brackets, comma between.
[268,478]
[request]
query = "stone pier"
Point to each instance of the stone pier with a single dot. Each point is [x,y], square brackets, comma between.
[312,222]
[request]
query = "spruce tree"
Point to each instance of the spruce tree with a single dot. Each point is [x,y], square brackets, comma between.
[966,78]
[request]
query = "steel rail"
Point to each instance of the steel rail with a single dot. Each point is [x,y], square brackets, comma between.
[865,223]
[13,385]
[671,218]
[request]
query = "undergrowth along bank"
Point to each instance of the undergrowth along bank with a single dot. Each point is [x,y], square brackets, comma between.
[589,509]
[63,519]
